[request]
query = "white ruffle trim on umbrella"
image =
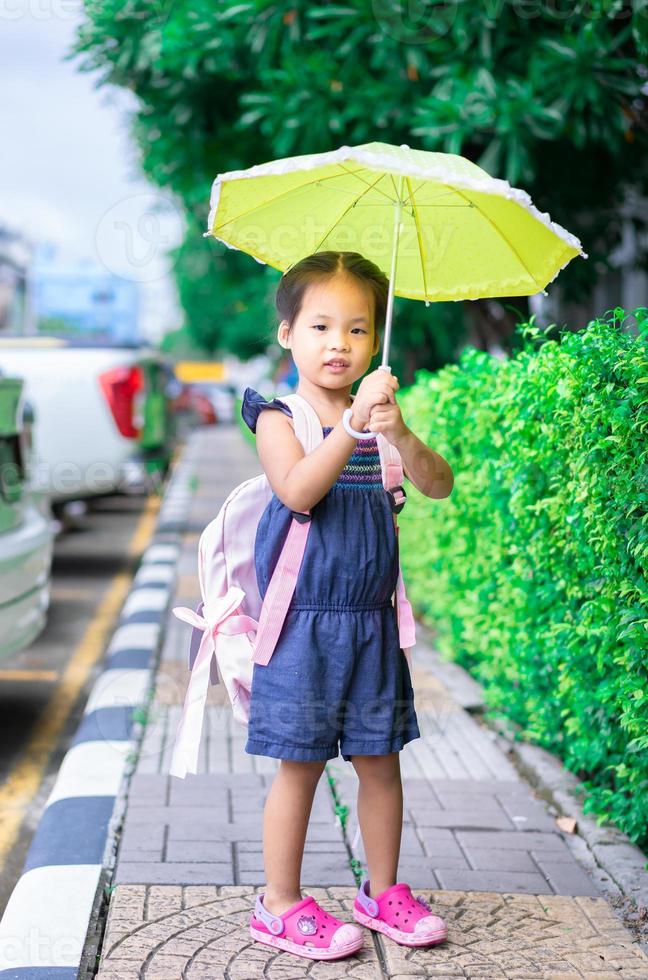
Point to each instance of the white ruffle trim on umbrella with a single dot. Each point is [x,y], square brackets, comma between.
[383,160]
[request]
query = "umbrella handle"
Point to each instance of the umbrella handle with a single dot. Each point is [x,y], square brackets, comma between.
[346,418]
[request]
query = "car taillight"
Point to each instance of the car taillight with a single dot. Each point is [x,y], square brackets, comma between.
[120,386]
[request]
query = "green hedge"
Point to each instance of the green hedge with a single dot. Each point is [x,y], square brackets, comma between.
[533,572]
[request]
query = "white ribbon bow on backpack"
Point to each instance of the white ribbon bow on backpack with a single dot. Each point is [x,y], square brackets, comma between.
[219,616]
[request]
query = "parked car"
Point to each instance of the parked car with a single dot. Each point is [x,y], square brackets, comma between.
[223,397]
[103,423]
[208,379]
[26,531]
[193,407]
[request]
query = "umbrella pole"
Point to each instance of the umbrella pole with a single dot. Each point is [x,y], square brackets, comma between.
[398,208]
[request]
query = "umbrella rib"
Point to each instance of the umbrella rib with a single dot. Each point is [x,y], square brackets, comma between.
[351,205]
[351,173]
[502,236]
[291,190]
[417,189]
[390,202]
[256,207]
[354,173]
[272,200]
[418,234]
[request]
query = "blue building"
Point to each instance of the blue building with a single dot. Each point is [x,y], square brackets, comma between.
[83,299]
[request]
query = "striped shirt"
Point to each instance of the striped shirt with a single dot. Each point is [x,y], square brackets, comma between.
[363,470]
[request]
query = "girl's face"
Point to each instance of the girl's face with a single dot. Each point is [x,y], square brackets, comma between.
[336,321]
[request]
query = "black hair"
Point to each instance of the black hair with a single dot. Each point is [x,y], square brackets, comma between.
[321,266]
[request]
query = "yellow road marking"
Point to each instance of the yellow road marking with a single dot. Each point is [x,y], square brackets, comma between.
[28,675]
[26,776]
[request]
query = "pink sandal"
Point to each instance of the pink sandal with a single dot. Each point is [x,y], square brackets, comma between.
[405,919]
[305,929]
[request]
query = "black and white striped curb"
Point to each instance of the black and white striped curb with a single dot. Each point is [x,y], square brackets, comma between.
[44,928]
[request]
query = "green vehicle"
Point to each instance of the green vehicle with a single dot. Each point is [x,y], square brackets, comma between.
[158,436]
[26,533]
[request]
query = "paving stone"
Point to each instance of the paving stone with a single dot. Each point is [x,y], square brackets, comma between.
[244,783]
[411,844]
[417,874]
[144,838]
[462,800]
[528,815]
[322,869]
[203,932]
[439,839]
[253,860]
[526,841]
[565,877]
[171,873]
[136,855]
[207,851]
[248,846]
[491,819]
[146,788]
[530,883]
[476,786]
[153,815]
[213,795]
[438,861]
[205,829]
[497,859]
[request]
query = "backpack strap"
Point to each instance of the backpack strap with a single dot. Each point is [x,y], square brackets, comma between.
[283,582]
[392,473]
[307,424]
[281,588]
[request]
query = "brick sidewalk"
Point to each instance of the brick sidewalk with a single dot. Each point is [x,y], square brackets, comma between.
[486,851]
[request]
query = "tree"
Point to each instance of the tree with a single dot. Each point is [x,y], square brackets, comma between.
[550,100]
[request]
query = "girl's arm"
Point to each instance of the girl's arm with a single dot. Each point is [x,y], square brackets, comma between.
[426,469]
[301,480]
[430,473]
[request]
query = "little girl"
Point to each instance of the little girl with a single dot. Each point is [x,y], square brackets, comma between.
[337,673]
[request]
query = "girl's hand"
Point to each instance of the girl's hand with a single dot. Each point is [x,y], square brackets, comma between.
[374,389]
[387,419]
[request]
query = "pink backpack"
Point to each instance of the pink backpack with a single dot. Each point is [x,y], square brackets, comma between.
[232,627]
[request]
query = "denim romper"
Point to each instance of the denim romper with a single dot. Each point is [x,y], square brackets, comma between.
[337,672]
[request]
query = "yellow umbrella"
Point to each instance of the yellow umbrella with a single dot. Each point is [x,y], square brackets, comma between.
[445,228]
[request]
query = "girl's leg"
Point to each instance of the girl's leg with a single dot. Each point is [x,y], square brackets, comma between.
[380,813]
[285,823]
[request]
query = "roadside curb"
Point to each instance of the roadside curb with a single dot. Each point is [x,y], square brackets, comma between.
[613,850]
[57,901]
[608,848]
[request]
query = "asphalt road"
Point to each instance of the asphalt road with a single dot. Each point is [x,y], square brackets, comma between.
[43,690]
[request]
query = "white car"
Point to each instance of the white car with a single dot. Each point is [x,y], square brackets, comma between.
[89,403]
[26,530]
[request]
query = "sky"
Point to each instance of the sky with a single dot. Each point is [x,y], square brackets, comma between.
[69,175]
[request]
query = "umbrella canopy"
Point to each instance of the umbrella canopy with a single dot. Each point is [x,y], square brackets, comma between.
[463,234]
[444,228]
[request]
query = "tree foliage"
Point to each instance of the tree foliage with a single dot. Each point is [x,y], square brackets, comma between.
[539,557]
[549,99]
